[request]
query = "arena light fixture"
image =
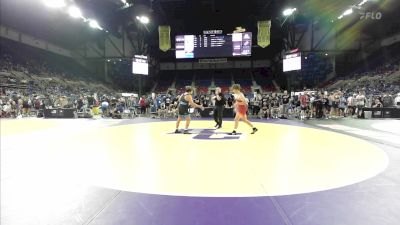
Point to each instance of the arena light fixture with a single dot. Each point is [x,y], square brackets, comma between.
[289,12]
[125,3]
[362,3]
[55,3]
[74,12]
[94,24]
[143,19]
[348,12]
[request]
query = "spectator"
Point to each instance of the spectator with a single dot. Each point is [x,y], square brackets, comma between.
[360,99]
[351,104]
[377,103]
[304,105]
[387,100]
[105,108]
[142,104]
[397,100]
[285,104]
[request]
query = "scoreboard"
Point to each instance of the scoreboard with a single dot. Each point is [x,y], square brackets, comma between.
[140,65]
[213,45]
[292,62]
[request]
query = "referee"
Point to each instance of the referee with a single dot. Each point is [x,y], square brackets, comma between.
[218,107]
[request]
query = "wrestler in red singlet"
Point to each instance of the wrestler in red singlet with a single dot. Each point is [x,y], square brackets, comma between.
[241,109]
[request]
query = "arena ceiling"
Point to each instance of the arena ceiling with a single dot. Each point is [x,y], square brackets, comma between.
[184,16]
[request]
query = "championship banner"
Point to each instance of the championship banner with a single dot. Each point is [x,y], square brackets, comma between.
[264,33]
[164,37]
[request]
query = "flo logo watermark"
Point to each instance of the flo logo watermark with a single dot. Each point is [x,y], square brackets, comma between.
[370,16]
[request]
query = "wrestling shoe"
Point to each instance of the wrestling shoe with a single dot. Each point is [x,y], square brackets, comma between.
[177,131]
[186,132]
[233,133]
[254,130]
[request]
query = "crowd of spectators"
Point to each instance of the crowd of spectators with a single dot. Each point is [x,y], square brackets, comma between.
[332,102]
[28,87]
[379,87]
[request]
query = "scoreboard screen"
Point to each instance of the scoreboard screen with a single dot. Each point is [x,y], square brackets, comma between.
[140,65]
[213,45]
[292,62]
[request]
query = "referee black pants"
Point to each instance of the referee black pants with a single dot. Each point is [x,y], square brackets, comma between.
[218,112]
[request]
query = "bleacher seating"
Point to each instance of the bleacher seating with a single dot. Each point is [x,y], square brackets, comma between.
[202,86]
[263,78]
[246,90]
[183,83]
[314,69]
[203,81]
[40,72]
[245,84]
[165,81]
[225,89]
[224,84]
[383,65]
[244,79]
[223,79]
[163,86]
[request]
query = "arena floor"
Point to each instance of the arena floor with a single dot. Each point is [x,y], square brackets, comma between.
[109,172]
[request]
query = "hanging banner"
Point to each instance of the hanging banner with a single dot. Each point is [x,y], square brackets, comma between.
[264,33]
[164,37]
